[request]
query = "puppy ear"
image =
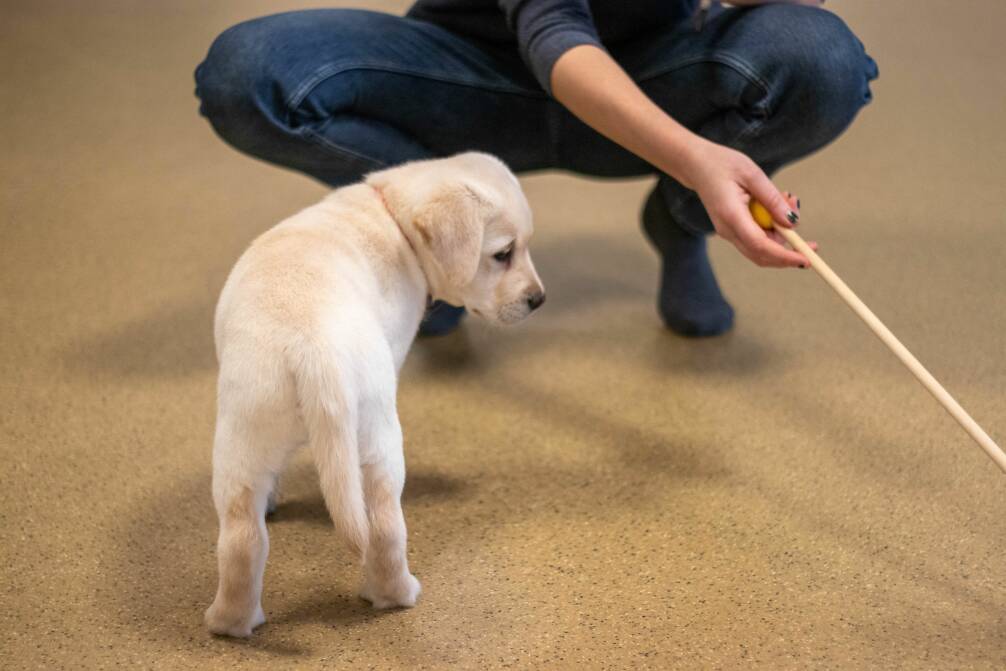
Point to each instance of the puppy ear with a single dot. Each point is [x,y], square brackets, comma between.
[451,225]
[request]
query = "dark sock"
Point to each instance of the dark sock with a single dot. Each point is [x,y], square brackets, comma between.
[690,301]
[440,319]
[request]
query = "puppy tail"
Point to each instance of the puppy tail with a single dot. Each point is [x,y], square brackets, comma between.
[332,421]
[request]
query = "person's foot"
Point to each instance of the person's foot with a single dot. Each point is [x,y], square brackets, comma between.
[440,319]
[690,302]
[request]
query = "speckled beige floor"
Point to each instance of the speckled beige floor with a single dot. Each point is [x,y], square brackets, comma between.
[585,490]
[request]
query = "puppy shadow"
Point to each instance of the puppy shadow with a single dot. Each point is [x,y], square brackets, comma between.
[261,642]
[158,573]
[307,504]
[447,355]
[170,343]
[432,487]
[341,609]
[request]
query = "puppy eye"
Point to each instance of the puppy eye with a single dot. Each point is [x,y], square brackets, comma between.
[503,256]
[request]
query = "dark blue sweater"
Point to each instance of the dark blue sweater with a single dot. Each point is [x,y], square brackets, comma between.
[543,30]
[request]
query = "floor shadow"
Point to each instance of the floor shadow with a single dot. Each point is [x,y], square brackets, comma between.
[262,642]
[952,644]
[311,510]
[159,574]
[419,487]
[447,356]
[432,487]
[856,538]
[329,607]
[630,444]
[584,270]
[865,466]
[170,343]
[732,354]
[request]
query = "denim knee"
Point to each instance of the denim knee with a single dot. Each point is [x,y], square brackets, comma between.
[232,84]
[825,72]
[839,76]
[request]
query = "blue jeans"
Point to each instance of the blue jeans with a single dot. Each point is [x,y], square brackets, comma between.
[341,92]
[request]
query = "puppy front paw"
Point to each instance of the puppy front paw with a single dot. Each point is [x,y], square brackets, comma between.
[403,592]
[225,622]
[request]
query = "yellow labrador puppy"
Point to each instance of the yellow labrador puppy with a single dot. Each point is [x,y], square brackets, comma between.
[312,328]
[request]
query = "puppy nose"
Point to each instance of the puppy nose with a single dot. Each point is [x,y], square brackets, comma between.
[534,301]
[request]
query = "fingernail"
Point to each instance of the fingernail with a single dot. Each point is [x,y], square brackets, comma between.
[793,217]
[803,265]
[798,203]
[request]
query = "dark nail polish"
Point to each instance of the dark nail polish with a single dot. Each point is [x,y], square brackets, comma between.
[798,203]
[803,265]
[793,217]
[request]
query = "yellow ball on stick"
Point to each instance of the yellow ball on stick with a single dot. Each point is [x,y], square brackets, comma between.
[760,214]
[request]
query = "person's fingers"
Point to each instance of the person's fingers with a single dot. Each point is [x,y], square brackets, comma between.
[794,202]
[774,255]
[763,190]
[776,236]
[756,244]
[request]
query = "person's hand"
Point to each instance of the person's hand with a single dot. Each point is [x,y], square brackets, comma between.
[725,181]
[595,88]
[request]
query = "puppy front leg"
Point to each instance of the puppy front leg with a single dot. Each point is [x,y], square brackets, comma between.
[387,581]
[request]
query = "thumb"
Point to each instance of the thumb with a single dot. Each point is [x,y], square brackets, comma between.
[763,190]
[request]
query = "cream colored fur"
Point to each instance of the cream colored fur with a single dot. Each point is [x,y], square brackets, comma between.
[312,328]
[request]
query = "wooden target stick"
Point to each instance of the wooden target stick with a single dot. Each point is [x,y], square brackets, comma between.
[764,219]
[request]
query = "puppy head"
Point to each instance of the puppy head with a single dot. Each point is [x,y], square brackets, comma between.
[470,224]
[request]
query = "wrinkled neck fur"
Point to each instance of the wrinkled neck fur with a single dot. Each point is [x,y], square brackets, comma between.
[435,283]
[395,217]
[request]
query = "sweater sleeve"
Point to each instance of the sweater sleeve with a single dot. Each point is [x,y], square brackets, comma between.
[546,29]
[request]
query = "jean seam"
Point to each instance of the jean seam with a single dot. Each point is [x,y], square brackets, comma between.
[329,71]
[725,59]
[752,127]
[328,144]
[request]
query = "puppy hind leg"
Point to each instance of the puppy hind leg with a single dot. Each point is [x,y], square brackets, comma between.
[242,548]
[387,580]
[248,454]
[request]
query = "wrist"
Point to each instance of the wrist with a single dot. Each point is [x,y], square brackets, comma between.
[687,159]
